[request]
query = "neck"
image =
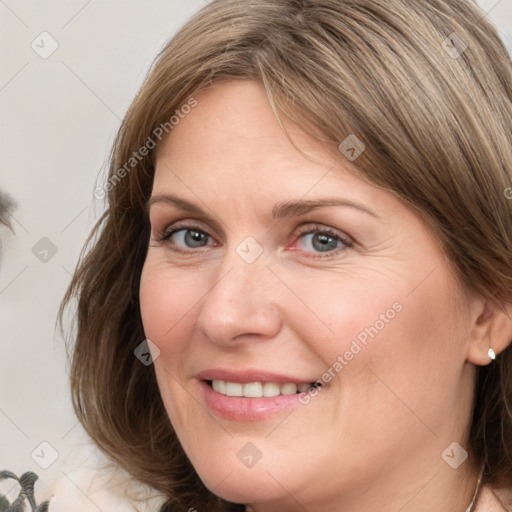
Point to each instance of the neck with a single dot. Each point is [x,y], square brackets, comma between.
[436,488]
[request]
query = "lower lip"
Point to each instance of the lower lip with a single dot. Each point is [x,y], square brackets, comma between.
[247,409]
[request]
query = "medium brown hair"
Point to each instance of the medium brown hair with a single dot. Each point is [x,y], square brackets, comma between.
[434,111]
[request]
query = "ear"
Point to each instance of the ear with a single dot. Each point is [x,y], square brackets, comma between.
[492,328]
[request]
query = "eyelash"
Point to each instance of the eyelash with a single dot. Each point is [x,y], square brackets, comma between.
[164,237]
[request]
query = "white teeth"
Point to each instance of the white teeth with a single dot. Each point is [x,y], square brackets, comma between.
[234,389]
[253,390]
[257,389]
[219,386]
[288,389]
[271,389]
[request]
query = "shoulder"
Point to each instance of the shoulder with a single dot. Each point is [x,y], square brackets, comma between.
[92,482]
[494,500]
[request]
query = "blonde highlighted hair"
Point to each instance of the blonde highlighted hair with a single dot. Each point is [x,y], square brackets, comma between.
[426,85]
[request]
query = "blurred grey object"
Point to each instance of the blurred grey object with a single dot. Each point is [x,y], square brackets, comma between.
[6,207]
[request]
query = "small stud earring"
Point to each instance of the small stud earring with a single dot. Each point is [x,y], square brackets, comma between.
[492,354]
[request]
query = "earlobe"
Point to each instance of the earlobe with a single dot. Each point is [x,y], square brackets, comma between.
[491,333]
[480,354]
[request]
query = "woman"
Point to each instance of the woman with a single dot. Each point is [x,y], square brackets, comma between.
[309,235]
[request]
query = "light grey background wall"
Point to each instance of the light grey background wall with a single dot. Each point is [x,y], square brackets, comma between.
[68,72]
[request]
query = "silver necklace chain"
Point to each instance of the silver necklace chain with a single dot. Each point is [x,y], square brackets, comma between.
[479,483]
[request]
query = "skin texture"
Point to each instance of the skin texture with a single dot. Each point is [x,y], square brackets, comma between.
[372,439]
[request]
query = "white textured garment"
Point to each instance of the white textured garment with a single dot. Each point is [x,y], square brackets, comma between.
[90,482]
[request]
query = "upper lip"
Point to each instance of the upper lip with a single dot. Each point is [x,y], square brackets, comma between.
[246,376]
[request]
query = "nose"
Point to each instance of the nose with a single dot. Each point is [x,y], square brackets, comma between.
[241,305]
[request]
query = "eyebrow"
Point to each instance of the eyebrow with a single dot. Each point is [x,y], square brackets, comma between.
[279,211]
[296,208]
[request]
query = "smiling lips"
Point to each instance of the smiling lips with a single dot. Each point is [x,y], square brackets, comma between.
[250,395]
[257,389]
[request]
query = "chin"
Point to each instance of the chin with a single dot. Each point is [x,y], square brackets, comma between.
[245,486]
[229,479]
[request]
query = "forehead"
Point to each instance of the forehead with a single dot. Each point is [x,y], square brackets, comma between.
[233,121]
[232,142]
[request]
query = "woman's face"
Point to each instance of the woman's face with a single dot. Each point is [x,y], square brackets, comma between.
[277,271]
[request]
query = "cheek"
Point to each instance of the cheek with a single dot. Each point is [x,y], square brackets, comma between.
[412,355]
[167,299]
[346,313]
[396,325]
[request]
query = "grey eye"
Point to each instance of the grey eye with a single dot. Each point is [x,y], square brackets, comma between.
[190,238]
[319,242]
